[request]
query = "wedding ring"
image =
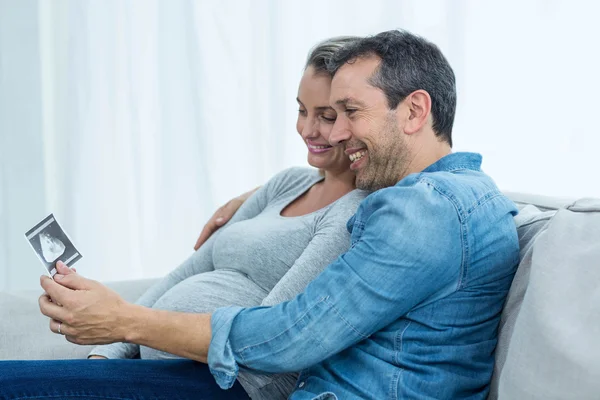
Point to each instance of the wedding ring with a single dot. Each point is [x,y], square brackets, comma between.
[59,326]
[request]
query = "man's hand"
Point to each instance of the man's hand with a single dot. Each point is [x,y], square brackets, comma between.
[89,312]
[221,216]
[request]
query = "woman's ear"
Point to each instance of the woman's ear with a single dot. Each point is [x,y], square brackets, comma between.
[419,109]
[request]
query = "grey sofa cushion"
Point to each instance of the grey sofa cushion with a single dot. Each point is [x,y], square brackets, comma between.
[551,322]
[24,332]
[531,222]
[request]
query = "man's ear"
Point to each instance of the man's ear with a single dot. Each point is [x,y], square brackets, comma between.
[418,104]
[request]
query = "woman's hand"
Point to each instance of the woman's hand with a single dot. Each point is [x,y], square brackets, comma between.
[221,216]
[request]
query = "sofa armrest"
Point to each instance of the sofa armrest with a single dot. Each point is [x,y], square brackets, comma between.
[544,203]
[24,332]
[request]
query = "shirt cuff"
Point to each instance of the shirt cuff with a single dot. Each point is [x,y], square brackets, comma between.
[221,360]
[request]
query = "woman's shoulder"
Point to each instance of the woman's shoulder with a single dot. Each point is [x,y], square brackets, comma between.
[294,173]
[292,179]
[345,207]
[352,199]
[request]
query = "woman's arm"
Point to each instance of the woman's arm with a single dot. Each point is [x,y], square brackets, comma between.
[331,238]
[199,262]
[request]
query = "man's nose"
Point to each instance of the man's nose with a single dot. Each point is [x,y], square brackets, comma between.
[339,133]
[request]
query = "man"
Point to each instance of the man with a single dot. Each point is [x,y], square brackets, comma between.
[412,309]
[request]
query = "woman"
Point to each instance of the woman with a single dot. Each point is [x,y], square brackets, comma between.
[280,239]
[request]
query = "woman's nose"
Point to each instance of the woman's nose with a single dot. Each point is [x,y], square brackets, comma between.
[311,130]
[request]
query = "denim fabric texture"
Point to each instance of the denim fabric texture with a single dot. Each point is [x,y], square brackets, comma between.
[411,311]
[112,379]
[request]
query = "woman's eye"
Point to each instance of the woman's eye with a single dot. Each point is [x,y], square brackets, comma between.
[302,112]
[328,119]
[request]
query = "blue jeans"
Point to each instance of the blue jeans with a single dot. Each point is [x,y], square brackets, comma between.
[111,379]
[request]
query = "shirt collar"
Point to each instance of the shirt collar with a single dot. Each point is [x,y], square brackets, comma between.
[454,161]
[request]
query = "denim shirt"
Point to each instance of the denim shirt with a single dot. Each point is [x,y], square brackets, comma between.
[410,311]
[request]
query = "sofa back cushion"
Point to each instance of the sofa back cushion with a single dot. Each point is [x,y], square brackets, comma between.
[548,339]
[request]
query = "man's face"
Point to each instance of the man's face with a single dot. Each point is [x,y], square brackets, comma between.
[372,133]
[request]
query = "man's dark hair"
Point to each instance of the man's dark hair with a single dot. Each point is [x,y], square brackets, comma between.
[408,63]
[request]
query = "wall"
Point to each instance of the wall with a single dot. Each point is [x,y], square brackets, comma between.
[134,120]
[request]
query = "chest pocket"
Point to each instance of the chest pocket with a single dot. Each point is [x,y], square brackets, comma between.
[357,231]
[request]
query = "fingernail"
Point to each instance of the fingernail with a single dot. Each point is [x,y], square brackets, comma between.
[58,277]
[219,219]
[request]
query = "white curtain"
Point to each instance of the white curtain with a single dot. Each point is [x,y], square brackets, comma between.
[133,120]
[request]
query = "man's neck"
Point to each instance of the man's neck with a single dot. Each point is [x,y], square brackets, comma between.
[426,156]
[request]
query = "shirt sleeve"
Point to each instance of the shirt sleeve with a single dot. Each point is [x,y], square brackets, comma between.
[410,253]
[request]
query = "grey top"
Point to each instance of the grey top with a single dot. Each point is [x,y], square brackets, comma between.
[259,258]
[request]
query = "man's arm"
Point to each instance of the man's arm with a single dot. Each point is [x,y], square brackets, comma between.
[410,253]
[184,334]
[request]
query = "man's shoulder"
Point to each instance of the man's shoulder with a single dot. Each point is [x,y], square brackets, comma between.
[408,198]
[466,189]
[461,190]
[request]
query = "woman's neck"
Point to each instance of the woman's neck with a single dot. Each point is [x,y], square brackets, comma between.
[336,184]
[341,179]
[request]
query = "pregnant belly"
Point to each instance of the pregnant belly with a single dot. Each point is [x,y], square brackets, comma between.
[204,293]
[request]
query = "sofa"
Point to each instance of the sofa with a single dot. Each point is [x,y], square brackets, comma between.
[549,334]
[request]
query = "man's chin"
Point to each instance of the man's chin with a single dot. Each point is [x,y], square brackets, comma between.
[370,183]
[363,181]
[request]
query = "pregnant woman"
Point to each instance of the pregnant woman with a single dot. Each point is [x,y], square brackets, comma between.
[279,240]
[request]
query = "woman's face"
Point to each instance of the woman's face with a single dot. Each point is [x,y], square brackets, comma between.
[315,120]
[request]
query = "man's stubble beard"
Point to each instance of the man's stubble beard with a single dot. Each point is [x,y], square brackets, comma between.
[387,162]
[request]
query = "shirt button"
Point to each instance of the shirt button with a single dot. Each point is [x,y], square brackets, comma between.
[301,385]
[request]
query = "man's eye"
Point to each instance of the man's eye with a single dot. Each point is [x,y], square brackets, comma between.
[302,112]
[350,111]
